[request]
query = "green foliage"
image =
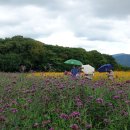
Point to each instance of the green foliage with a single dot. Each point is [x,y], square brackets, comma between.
[18,50]
[10,62]
[42,57]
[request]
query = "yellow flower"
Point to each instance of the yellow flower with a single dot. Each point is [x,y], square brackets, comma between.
[118,75]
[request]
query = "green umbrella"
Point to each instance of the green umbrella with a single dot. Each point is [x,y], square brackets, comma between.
[73,62]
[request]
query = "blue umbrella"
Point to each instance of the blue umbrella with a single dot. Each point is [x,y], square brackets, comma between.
[105,68]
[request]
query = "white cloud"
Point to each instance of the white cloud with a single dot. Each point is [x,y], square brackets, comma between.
[112,9]
[94,25]
[68,39]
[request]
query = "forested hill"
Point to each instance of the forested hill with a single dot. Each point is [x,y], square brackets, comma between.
[42,57]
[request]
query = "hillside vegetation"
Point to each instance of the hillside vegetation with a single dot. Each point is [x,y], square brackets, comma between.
[38,56]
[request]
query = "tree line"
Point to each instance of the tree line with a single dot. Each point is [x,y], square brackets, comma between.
[17,51]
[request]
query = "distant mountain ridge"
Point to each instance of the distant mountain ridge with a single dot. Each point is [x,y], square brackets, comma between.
[122,58]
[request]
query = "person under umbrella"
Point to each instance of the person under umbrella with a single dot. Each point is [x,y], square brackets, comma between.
[105,68]
[89,76]
[110,74]
[74,71]
[88,71]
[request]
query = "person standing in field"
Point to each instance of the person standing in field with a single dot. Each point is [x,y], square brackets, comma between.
[110,75]
[22,68]
[89,76]
[74,71]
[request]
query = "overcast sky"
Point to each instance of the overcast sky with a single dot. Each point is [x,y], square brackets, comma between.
[102,25]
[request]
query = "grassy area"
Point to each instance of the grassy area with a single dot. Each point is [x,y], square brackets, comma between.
[52,101]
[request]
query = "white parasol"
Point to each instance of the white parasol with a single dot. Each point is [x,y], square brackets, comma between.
[88,69]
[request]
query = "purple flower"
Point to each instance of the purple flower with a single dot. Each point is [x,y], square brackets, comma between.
[120,91]
[1,110]
[127,101]
[88,126]
[7,105]
[109,104]
[14,110]
[1,101]
[74,114]
[64,116]
[74,127]
[99,100]
[51,128]
[29,100]
[90,97]
[14,102]
[116,97]
[61,86]
[2,118]
[78,102]
[124,113]
[45,122]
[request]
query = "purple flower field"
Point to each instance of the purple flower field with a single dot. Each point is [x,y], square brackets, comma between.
[63,103]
